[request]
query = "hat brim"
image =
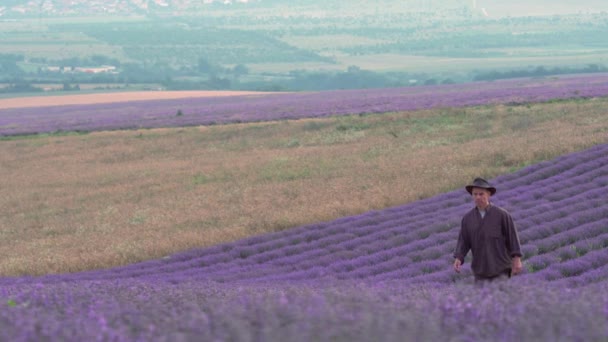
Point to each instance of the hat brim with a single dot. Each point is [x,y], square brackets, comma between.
[471,187]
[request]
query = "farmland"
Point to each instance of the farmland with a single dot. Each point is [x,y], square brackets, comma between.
[75,201]
[558,204]
[204,110]
[304,178]
[107,98]
[304,46]
[303,216]
[384,275]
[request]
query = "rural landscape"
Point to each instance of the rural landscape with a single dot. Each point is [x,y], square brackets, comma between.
[163,179]
[53,46]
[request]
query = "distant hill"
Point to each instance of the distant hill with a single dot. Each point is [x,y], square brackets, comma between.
[20,8]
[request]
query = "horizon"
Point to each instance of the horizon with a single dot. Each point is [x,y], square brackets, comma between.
[485,8]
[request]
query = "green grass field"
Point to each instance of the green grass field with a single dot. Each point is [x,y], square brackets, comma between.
[347,42]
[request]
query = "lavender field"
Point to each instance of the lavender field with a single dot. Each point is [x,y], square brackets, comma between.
[252,108]
[383,275]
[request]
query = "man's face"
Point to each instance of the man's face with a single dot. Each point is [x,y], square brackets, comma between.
[481,197]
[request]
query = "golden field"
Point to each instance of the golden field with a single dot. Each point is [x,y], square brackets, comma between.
[99,98]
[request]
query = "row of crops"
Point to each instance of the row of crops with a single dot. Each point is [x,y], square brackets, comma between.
[383,275]
[267,107]
[558,206]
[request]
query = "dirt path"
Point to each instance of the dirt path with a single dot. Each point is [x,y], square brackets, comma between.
[80,99]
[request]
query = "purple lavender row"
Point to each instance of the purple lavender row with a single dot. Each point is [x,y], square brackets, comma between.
[581,240]
[371,240]
[573,267]
[252,108]
[588,250]
[533,214]
[559,165]
[551,265]
[569,245]
[587,277]
[236,252]
[235,274]
[443,252]
[386,310]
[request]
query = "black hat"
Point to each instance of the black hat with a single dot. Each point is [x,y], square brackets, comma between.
[480,183]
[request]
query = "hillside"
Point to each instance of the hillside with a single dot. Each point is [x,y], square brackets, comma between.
[146,7]
[322,280]
[288,213]
[74,201]
[558,206]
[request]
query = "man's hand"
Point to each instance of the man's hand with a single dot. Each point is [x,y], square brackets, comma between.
[457,265]
[517,266]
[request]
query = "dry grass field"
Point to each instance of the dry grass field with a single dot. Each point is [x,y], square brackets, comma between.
[81,99]
[79,202]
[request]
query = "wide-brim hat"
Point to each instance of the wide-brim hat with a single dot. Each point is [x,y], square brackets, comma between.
[480,183]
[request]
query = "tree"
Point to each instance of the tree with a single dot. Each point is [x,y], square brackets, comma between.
[8,65]
[240,70]
[20,86]
[69,87]
[219,83]
[204,66]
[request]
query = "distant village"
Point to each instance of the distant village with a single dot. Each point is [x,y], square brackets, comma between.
[126,7]
[107,69]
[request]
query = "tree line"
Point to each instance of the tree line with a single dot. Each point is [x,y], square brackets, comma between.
[207,75]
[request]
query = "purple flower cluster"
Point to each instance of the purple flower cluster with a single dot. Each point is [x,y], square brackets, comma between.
[221,110]
[135,310]
[382,275]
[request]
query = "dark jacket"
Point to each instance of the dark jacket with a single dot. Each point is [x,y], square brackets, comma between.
[493,241]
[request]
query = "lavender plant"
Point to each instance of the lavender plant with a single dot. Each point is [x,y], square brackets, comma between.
[253,108]
[383,275]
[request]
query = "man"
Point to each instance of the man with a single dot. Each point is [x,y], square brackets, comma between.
[489,233]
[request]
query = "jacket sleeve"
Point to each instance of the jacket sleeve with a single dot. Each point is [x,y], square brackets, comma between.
[511,236]
[463,245]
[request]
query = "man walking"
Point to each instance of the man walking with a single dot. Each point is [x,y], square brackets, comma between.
[489,233]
